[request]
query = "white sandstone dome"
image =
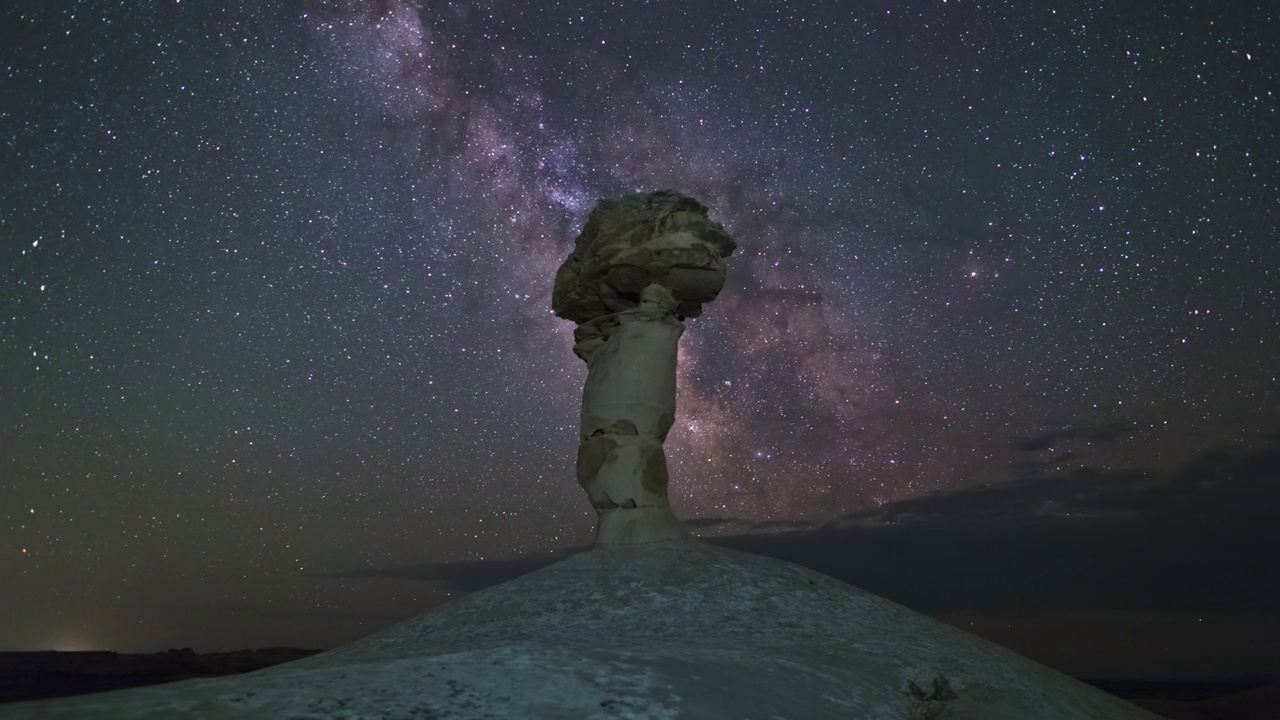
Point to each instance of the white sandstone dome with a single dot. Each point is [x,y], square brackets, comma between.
[682,630]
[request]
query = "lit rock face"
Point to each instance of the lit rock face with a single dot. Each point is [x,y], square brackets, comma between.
[640,266]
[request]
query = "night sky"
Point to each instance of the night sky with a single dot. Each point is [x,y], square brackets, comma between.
[1001,340]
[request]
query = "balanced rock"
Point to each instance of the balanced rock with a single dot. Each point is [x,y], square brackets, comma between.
[641,265]
[650,623]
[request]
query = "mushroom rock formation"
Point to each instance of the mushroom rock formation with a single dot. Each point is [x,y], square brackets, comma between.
[650,623]
[640,266]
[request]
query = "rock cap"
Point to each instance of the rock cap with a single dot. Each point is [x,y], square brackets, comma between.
[628,244]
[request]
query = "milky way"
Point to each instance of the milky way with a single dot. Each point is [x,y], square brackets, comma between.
[276,278]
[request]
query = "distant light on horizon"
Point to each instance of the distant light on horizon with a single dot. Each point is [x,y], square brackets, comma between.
[74,643]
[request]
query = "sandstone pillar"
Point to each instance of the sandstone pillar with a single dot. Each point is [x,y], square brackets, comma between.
[641,265]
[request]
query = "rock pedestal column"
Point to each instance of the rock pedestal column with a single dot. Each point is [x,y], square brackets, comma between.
[641,265]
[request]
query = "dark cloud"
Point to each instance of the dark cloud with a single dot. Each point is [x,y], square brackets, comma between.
[465,576]
[1057,431]
[709,522]
[294,616]
[720,523]
[781,525]
[1194,540]
[1035,466]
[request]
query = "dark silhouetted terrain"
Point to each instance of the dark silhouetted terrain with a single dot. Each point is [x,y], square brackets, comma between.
[1249,698]
[51,674]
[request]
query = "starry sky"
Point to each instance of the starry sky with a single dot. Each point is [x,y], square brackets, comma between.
[1000,340]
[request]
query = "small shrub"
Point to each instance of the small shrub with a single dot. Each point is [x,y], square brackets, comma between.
[932,705]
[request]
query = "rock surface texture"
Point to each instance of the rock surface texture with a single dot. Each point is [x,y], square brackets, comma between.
[641,265]
[662,632]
